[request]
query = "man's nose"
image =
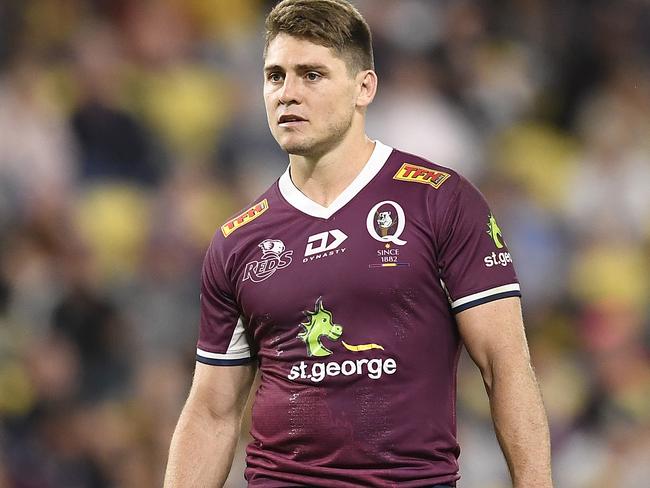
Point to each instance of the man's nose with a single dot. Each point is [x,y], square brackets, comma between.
[290,91]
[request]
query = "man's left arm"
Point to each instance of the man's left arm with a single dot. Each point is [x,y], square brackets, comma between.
[495,339]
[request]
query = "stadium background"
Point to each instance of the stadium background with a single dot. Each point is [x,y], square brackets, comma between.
[130,129]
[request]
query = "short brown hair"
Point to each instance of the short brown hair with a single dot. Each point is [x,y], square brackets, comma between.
[335,24]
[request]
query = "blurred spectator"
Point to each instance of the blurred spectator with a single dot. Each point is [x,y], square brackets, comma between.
[92,324]
[182,99]
[113,144]
[51,453]
[113,219]
[246,155]
[411,114]
[615,125]
[36,148]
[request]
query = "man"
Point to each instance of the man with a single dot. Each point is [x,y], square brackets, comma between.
[351,283]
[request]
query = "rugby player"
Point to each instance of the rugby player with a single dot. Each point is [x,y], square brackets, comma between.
[351,284]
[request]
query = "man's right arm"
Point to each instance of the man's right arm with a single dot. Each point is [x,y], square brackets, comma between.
[204,441]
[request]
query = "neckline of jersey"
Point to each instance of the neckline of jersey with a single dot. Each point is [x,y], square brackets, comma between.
[300,201]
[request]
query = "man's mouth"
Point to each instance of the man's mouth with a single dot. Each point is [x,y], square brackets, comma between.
[288,120]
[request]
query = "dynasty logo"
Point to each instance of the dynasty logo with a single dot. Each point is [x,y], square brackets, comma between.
[274,257]
[420,174]
[324,244]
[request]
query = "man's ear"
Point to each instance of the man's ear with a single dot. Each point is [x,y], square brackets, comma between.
[367,85]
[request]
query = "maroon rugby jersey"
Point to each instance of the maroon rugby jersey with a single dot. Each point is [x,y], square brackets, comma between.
[349,311]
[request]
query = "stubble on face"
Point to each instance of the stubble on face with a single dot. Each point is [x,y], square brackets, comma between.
[336,127]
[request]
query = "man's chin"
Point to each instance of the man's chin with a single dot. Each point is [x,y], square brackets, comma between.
[306,146]
[297,148]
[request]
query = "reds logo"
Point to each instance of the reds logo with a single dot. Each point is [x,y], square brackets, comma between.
[271,246]
[420,174]
[274,257]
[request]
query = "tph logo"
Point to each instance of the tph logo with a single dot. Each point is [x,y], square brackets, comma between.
[322,243]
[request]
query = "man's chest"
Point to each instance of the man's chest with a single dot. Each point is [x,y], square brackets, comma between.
[371,266]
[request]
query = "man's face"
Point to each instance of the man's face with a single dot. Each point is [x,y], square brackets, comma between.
[310,96]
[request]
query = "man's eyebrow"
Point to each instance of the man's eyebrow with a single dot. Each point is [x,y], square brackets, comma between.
[301,68]
[273,67]
[310,67]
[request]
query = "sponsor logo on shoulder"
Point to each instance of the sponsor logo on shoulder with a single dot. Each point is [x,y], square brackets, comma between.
[496,259]
[420,174]
[324,244]
[500,259]
[245,217]
[274,257]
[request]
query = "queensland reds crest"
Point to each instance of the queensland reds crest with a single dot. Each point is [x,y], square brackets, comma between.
[386,222]
[274,257]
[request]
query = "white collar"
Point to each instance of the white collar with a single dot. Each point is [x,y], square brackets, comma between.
[297,199]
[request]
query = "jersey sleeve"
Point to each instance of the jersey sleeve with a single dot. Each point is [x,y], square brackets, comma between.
[222,333]
[474,262]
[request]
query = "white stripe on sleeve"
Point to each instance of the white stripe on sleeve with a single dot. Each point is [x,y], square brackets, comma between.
[485,294]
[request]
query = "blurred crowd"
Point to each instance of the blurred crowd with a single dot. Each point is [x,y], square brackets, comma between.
[131,129]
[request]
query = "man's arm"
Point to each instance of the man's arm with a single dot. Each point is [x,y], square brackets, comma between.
[204,441]
[494,336]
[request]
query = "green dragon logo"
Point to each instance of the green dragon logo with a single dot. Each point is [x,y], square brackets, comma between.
[319,323]
[495,232]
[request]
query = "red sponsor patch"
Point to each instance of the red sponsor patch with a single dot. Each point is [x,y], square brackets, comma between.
[420,174]
[245,217]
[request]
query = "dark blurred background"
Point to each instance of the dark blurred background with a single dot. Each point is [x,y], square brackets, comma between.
[131,129]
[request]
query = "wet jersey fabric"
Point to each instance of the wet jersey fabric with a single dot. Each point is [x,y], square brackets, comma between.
[349,312]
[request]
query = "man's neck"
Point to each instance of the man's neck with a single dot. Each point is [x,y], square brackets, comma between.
[323,179]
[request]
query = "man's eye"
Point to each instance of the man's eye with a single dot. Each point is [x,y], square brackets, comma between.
[274,77]
[312,76]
